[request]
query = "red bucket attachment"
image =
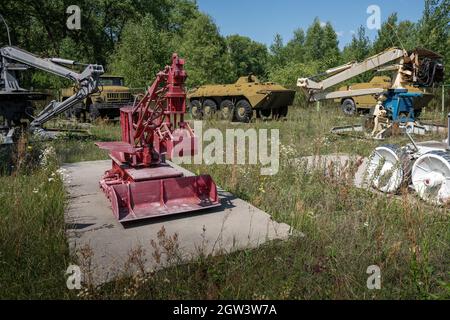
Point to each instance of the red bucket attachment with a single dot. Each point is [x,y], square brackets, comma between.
[155,198]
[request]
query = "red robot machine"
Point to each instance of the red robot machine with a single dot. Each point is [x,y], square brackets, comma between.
[141,184]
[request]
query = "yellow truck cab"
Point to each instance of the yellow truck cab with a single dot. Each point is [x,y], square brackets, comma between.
[112,96]
[350,105]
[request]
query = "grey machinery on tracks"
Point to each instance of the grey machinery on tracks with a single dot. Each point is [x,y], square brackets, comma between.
[16,102]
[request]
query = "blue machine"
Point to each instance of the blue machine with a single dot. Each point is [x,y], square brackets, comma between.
[399,105]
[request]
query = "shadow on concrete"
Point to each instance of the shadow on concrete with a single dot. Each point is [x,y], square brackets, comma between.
[78,226]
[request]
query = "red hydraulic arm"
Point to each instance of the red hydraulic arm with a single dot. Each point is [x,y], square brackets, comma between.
[156,124]
[141,184]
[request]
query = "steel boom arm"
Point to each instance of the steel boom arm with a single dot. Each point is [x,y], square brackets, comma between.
[316,90]
[86,80]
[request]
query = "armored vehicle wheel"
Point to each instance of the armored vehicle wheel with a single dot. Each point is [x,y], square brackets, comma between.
[348,107]
[209,108]
[244,111]
[226,110]
[196,110]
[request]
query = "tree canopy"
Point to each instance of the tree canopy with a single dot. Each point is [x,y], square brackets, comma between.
[247,56]
[135,38]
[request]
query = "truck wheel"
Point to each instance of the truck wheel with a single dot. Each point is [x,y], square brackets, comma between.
[209,108]
[226,110]
[196,110]
[348,107]
[94,113]
[243,111]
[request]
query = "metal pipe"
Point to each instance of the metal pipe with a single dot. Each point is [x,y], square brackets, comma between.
[63,61]
[412,140]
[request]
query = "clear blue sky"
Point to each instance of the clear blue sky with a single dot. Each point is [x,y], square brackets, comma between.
[262,19]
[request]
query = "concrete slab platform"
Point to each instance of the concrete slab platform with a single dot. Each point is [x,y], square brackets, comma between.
[234,225]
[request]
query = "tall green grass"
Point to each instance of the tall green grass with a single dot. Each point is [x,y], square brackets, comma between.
[33,249]
[341,230]
[345,230]
[76,148]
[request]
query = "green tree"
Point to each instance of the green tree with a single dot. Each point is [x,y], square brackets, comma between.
[433,29]
[288,75]
[144,49]
[313,41]
[39,26]
[406,35]
[277,52]
[295,50]
[359,48]
[247,56]
[321,44]
[181,11]
[394,34]
[330,47]
[205,51]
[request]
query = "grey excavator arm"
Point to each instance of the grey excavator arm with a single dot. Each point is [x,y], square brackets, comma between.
[87,81]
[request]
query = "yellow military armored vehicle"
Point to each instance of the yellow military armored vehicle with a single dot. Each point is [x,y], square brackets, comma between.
[238,101]
[350,105]
[112,96]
